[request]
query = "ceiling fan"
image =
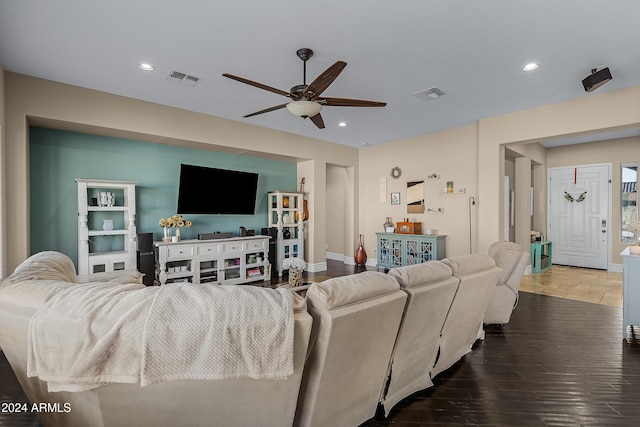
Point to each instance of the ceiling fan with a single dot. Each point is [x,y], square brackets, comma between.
[306,99]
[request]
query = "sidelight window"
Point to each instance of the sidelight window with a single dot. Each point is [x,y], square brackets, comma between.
[629,203]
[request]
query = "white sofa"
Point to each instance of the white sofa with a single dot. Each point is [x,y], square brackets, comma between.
[229,402]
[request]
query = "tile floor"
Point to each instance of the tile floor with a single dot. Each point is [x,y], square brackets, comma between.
[580,284]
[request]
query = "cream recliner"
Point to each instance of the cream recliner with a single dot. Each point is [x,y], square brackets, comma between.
[430,288]
[513,260]
[355,324]
[478,276]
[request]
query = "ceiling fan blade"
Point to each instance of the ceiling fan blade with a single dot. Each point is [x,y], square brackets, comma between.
[258,85]
[324,80]
[266,110]
[346,102]
[317,120]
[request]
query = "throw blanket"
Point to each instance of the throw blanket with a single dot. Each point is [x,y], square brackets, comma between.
[218,332]
[97,333]
[89,334]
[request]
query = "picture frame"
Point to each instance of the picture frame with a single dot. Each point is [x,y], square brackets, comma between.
[395,198]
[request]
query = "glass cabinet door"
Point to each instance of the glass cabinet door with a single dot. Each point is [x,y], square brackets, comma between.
[231,268]
[209,271]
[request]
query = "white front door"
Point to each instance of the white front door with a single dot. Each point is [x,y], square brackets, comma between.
[579,215]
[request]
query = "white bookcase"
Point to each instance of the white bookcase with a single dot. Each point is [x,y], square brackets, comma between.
[286,216]
[106,226]
[229,261]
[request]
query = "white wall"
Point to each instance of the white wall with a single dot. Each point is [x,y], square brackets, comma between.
[49,104]
[3,254]
[336,196]
[591,113]
[452,155]
[472,156]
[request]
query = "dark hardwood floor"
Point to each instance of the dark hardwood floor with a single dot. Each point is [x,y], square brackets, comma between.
[559,362]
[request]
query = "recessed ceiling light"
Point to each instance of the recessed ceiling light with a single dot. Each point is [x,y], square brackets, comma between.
[530,67]
[364,144]
[146,67]
[342,124]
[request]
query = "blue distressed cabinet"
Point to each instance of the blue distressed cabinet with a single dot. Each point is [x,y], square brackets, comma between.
[395,250]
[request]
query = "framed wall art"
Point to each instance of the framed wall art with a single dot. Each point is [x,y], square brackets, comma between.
[395,198]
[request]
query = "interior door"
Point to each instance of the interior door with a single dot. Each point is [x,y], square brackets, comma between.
[579,200]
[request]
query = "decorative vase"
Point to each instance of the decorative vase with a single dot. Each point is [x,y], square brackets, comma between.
[387,224]
[285,202]
[166,237]
[286,219]
[178,236]
[295,276]
[102,198]
[286,234]
[361,255]
[107,224]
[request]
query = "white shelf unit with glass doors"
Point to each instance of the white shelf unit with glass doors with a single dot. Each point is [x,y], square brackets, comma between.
[106,226]
[286,210]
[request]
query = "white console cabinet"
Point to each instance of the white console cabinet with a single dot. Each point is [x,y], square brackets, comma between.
[221,261]
[106,226]
[631,290]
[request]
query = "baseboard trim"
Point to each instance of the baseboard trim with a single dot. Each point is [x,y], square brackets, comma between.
[615,268]
[334,256]
[348,260]
[316,267]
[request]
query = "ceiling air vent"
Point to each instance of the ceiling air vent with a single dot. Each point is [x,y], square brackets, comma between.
[430,94]
[183,78]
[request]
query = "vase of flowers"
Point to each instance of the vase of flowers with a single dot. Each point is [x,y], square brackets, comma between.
[295,266]
[175,221]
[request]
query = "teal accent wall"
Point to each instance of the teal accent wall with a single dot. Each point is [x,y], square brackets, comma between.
[57,158]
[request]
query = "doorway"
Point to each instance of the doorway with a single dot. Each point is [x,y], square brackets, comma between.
[579,215]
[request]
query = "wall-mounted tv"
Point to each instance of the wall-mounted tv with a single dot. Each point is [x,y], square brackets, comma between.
[205,190]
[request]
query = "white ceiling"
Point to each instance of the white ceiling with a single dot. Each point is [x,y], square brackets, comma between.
[471,49]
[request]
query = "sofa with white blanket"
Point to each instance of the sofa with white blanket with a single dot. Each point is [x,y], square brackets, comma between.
[122,354]
[117,353]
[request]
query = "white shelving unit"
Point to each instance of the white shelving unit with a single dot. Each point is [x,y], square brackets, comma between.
[106,232]
[286,216]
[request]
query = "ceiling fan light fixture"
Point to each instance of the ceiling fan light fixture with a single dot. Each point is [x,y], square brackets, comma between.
[304,108]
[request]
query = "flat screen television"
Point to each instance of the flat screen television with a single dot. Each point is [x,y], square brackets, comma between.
[205,190]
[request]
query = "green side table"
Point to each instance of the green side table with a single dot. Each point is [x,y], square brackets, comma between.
[540,256]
